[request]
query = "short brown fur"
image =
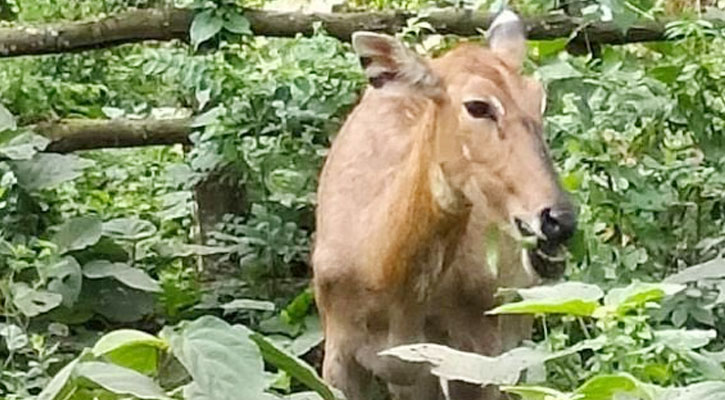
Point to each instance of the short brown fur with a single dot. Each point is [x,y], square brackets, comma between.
[408,193]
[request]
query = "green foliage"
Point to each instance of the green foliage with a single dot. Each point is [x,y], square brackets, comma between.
[204,358]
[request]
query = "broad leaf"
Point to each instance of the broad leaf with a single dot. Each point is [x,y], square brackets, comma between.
[23,146]
[713,269]
[536,393]
[78,233]
[120,380]
[7,120]
[129,276]
[116,301]
[682,339]
[125,337]
[573,298]
[46,170]
[33,302]
[66,279]
[297,368]
[605,387]
[129,229]
[205,25]
[236,23]
[217,356]
[59,382]
[638,294]
[131,349]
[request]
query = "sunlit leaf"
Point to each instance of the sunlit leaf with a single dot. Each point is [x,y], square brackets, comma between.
[572,298]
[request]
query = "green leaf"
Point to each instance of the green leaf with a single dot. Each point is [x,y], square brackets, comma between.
[125,337]
[536,393]
[297,368]
[129,229]
[638,294]
[216,355]
[66,279]
[15,338]
[713,269]
[120,380]
[78,233]
[33,302]
[605,387]
[573,298]
[707,367]
[236,23]
[205,25]
[59,382]
[24,146]
[7,120]
[129,276]
[116,301]
[557,71]
[46,170]
[682,339]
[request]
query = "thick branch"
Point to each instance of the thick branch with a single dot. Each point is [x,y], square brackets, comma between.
[167,24]
[86,134]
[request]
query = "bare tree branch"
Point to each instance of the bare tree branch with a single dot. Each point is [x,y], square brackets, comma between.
[86,134]
[168,24]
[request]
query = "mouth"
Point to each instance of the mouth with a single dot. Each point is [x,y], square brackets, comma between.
[544,256]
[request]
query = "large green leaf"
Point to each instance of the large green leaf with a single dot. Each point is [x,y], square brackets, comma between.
[297,368]
[223,361]
[573,298]
[205,25]
[46,170]
[131,349]
[129,228]
[33,302]
[129,276]
[120,380]
[638,294]
[66,279]
[606,387]
[684,339]
[713,269]
[23,146]
[537,393]
[78,233]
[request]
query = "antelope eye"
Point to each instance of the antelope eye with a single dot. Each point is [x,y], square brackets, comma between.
[481,109]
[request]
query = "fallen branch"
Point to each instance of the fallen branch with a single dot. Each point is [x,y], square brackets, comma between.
[86,134]
[167,24]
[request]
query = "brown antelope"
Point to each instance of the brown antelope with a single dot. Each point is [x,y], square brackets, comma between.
[436,154]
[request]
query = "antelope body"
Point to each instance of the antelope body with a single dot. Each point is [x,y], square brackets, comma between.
[436,154]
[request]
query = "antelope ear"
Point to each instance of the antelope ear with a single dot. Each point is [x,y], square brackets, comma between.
[507,37]
[387,60]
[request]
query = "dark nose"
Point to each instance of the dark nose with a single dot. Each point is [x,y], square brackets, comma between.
[558,224]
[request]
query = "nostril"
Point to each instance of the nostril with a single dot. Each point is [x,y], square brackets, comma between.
[557,225]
